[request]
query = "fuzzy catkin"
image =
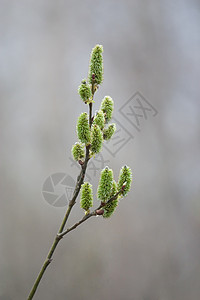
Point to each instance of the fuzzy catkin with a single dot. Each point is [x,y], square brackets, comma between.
[97,139]
[78,151]
[107,106]
[96,65]
[99,119]
[83,129]
[105,184]
[84,91]
[108,132]
[86,198]
[125,179]
[111,206]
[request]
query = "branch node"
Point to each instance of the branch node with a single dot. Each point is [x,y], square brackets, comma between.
[99,212]
[80,162]
[49,260]
[59,236]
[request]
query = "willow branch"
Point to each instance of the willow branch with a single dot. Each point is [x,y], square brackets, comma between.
[79,182]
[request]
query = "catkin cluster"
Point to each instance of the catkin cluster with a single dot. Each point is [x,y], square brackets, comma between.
[91,133]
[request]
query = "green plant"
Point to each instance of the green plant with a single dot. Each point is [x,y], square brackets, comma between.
[91,132]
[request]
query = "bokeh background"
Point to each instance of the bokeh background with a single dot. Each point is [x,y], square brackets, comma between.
[150,248]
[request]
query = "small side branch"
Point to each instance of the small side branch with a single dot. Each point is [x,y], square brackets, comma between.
[86,217]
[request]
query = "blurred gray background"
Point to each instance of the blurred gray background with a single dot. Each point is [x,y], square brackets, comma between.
[150,248]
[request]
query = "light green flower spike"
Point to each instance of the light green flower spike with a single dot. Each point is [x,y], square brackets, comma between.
[105,184]
[108,132]
[84,91]
[96,65]
[86,198]
[99,119]
[83,129]
[125,179]
[114,189]
[110,208]
[97,139]
[107,106]
[78,151]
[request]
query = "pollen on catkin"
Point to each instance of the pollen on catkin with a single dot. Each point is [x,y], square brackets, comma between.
[78,151]
[107,106]
[83,129]
[99,119]
[108,132]
[86,197]
[84,91]
[97,139]
[125,179]
[105,184]
[96,65]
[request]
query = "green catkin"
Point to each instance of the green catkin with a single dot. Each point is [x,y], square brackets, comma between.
[86,198]
[97,139]
[105,184]
[108,132]
[125,179]
[84,91]
[96,65]
[99,119]
[78,151]
[114,189]
[107,106]
[83,129]
[110,207]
